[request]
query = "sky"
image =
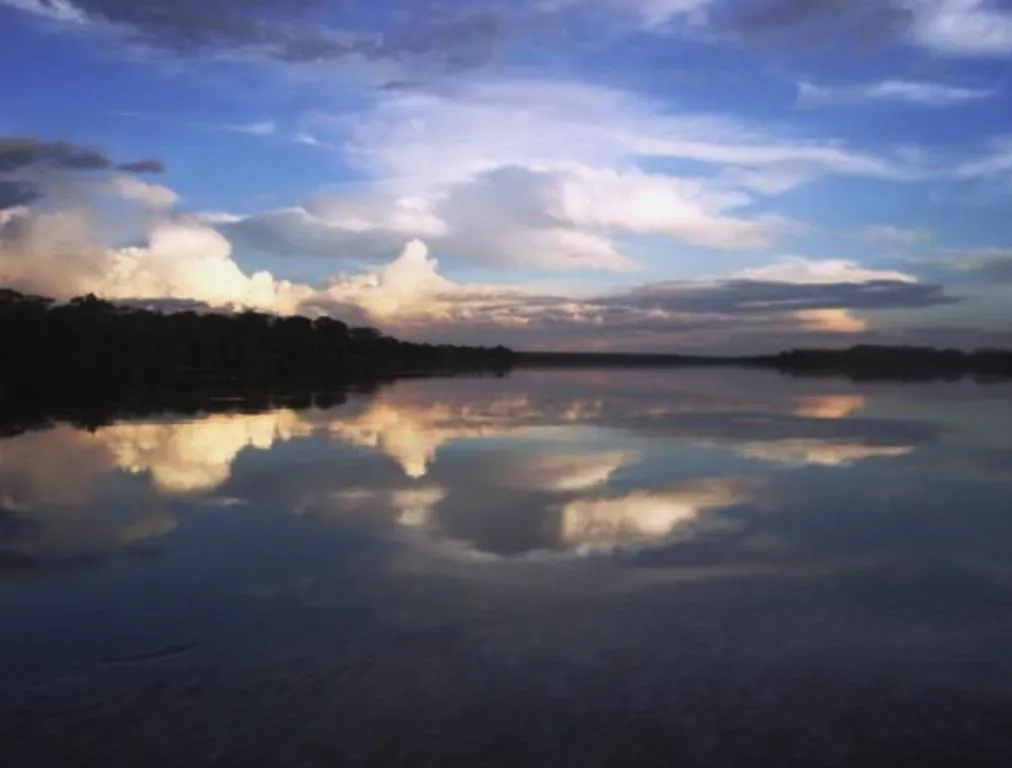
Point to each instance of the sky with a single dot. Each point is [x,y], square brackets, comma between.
[717,176]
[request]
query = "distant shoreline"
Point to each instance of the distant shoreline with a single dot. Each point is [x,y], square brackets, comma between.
[863,363]
[92,359]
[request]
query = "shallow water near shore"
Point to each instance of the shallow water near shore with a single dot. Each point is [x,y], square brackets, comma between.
[570,567]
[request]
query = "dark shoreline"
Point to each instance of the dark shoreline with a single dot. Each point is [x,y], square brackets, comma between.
[89,361]
[860,363]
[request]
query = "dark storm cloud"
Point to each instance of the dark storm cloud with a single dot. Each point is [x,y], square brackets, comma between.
[756,297]
[20,152]
[14,193]
[23,156]
[993,265]
[997,268]
[451,35]
[143,166]
[816,21]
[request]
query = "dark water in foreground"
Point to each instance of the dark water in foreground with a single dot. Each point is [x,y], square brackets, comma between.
[575,568]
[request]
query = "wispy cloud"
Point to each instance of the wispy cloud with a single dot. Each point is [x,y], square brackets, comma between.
[261,128]
[892,235]
[802,271]
[956,28]
[989,264]
[962,27]
[549,174]
[919,93]
[997,160]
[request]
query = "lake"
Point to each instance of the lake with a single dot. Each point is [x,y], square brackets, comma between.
[575,567]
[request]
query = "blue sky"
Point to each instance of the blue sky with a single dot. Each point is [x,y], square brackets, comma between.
[592,174]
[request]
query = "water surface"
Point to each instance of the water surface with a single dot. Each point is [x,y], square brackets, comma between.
[555,568]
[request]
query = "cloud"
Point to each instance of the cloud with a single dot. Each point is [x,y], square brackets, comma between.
[456,134]
[568,216]
[408,289]
[989,264]
[970,28]
[654,13]
[413,507]
[744,297]
[412,435]
[143,166]
[351,229]
[57,10]
[413,424]
[794,297]
[56,511]
[901,91]
[801,452]
[290,31]
[58,254]
[647,517]
[261,128]
[648,15]
[962,27]
[196,456]
[799,270]
[816,21]
[830,407]
[513,217]
[187,261]
[891,235]
[153,196]
[546,174]
[830,321]
[996,162]
[58,508]
[31,167]
[564,473]
[20,152]
[14,194]
[997,268]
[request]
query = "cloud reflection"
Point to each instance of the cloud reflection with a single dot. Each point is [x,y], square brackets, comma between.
[830,406]
[412,507]
[567,461]
[408,434]
[196,456]
[566,472]
[60,508]
[647,517]
[823,453]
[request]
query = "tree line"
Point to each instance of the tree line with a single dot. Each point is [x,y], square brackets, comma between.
[869,361]
[90,344]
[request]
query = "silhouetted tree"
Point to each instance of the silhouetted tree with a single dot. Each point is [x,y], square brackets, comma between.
[91,345]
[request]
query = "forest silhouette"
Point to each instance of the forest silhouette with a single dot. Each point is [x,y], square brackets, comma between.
[86,355]
[87,360]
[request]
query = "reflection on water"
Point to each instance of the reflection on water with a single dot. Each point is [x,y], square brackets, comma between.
[646,516]
[600,460]
[197,456]
[581,501]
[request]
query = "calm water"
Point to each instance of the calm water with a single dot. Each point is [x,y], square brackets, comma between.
[557,568]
